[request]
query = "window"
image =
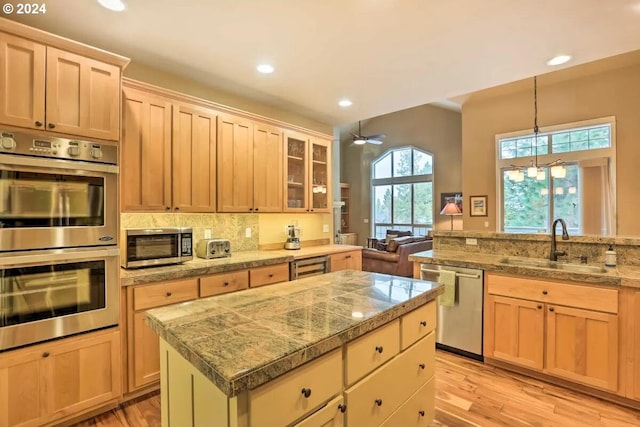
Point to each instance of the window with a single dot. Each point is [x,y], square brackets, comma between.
[402,181]
[581,192]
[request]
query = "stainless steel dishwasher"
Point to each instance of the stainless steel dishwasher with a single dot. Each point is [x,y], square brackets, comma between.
[459,328]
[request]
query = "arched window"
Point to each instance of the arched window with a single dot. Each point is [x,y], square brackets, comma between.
[402,191]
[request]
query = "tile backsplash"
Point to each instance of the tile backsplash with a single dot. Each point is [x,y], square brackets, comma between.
[226,226]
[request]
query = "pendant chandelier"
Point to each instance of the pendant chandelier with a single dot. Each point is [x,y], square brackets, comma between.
[536,170]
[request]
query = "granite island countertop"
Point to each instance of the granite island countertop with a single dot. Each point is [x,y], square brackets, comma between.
[237,261]
[244,339]
[611,276]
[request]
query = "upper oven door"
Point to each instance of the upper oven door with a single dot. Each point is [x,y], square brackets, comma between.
[51,203]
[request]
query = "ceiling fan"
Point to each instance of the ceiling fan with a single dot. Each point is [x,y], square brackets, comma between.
[360,139]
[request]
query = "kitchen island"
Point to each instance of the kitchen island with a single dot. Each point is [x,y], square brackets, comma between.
[349,347]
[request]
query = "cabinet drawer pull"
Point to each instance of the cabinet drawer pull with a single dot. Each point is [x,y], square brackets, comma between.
[544,292]
[168,294]
[422,366]
[539,306]
[342,408]
[551,309]
[45,354]
[270,275]
[421,413]
[348,256]
[423,323]
[379,349]
[378,402]
[306,392]
[225,284]
[38,123]
[51,125]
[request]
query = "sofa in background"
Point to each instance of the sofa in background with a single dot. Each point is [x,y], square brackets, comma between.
[392,256]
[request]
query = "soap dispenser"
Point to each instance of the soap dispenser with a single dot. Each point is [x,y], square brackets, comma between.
[610,257]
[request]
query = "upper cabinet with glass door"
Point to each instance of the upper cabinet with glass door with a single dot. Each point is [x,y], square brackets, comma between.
[307,165]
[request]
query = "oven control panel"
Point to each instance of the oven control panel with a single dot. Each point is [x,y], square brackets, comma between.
[19,143]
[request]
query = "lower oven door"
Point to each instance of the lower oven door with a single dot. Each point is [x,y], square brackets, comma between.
[51,294]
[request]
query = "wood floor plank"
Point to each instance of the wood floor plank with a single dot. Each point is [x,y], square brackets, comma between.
[468,394]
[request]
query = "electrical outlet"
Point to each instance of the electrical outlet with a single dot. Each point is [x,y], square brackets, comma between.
[472,241]
[325,228]
[207,233]
[486,224]
[366,220]
[247,232]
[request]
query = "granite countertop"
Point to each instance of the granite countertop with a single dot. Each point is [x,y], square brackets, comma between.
[611,276]
[237,261]
[244,339]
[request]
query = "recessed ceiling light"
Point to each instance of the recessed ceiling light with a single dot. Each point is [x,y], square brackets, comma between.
[115,5]
[345,103]
[558,60]
[265,68]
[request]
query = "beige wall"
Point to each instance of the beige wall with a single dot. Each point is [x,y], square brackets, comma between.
[613,92]
[429,128]
[166,80]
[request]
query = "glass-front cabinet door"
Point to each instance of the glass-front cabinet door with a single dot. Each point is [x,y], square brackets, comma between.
[296,189]
[320,176]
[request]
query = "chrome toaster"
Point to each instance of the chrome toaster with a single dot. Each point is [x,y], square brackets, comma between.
[213,248]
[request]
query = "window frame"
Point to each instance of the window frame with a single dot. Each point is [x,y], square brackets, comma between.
[568,157]
[410,179]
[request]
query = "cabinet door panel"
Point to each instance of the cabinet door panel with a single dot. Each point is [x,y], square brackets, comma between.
[635,357]
[22,78]
[146,353]
[21,385]
[296,166]
[267,169]
[194,159]
[320,176]
[83,96]
[235,164]
[582,346]
[514,331]
[145,153]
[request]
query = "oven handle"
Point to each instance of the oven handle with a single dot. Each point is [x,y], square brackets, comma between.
[49,163]
[59,255]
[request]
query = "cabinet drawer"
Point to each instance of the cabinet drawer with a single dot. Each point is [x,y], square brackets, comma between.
[223,283]
[378,395]
[366,353]
[268,275]
[418,324]
[157,295]
[282,401]
[418,411]
[588,297]
[329,416]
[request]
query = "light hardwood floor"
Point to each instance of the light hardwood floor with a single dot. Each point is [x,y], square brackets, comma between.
[468,393]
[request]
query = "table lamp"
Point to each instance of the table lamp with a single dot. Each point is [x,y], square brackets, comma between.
[451,209]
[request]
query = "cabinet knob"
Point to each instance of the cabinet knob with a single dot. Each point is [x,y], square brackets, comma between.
[51,125]
[38,123]
[421,413]
[544,292]
[270,275]
[225,284]
[311,210]
[168,294]
[422,365]
[551,308]
[539,306]
[379,349]
[378,402]
[256,210]
[250,209]
[423,323]
[348,256]
[45,354]
[177,208]
[342,408]
[306,392]
[168,208]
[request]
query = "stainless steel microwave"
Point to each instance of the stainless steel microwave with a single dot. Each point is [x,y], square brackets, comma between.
[144,247]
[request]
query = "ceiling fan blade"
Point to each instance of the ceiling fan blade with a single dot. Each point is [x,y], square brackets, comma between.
[376,136]
[374,141]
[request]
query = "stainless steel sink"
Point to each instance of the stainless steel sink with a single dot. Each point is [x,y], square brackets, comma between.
[543,263]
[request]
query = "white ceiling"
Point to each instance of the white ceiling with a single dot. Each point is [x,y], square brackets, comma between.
[384,55]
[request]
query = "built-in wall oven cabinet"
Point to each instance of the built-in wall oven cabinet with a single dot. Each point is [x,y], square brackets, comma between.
[56,193]
[55,293]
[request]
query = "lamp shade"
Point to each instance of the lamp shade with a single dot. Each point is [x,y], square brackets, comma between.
[451,209]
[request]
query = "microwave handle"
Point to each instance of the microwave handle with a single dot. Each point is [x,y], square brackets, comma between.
[48,258]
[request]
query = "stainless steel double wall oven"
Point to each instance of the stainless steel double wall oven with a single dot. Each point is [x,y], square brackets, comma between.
[58,237]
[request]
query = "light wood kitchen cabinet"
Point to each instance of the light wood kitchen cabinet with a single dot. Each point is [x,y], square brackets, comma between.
[249,166]
[223,283]
[168,155]
[59,91]
[351,260]
[145,152]
[631,338]
[574,326]
[193,159]
[143,344]
[307,169]
[50,381]
[268,275]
